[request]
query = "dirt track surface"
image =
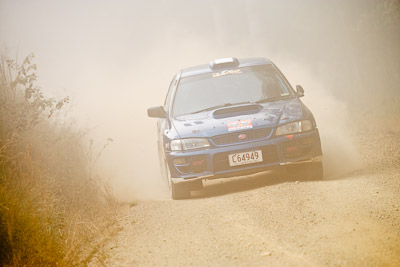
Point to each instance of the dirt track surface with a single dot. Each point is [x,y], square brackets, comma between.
[262,220]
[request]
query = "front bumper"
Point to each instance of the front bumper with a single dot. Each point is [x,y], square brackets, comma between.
[213,162]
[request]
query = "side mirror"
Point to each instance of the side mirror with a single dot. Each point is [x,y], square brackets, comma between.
[156,112]
[300,90]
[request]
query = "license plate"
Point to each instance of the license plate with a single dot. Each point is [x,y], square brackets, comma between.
[242,158]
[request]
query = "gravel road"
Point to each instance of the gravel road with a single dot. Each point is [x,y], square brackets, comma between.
[262,220]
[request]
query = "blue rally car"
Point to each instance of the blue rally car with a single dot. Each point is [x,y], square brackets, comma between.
[231,118]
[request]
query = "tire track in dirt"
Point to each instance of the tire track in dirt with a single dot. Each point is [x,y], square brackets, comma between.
[262,220]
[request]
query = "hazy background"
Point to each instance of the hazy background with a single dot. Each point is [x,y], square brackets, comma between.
[116,58]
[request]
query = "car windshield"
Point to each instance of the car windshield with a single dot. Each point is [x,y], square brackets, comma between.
[229,87]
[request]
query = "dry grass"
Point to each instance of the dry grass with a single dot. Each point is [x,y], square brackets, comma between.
[51,208]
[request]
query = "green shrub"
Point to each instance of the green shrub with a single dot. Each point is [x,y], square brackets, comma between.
[50,207]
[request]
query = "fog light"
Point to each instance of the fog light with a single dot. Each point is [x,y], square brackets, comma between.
[197,163]
[291,149]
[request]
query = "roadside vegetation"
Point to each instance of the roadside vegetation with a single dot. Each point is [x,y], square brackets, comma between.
[53,210]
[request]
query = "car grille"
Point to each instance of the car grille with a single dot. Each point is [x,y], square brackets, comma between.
[233,138]
[221,160]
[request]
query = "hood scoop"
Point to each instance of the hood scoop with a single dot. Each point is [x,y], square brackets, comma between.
[233,111]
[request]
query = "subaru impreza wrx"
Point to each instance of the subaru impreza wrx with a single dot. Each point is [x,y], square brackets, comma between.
[231,118]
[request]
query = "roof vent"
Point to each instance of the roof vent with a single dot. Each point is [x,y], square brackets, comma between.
[224,63]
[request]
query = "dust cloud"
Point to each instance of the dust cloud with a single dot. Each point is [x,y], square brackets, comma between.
[116,59]
[337,130]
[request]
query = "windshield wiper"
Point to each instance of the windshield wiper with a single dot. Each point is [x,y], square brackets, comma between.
[270,99]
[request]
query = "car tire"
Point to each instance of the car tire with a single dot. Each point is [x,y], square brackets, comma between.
[178,191]
[315,171]
[163,168]
[306,171]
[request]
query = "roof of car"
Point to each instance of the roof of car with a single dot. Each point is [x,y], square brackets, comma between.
[201,69]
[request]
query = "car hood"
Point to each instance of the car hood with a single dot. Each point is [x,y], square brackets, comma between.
[238,118]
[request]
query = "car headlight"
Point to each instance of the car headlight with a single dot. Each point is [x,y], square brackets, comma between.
[187,144]
[294,127]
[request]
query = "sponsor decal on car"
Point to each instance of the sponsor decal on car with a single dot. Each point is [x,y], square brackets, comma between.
[226,72]
[242,136]
[239,125]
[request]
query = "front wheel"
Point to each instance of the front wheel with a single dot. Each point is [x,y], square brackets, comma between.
[306,171]
[316,171]
[178,191]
